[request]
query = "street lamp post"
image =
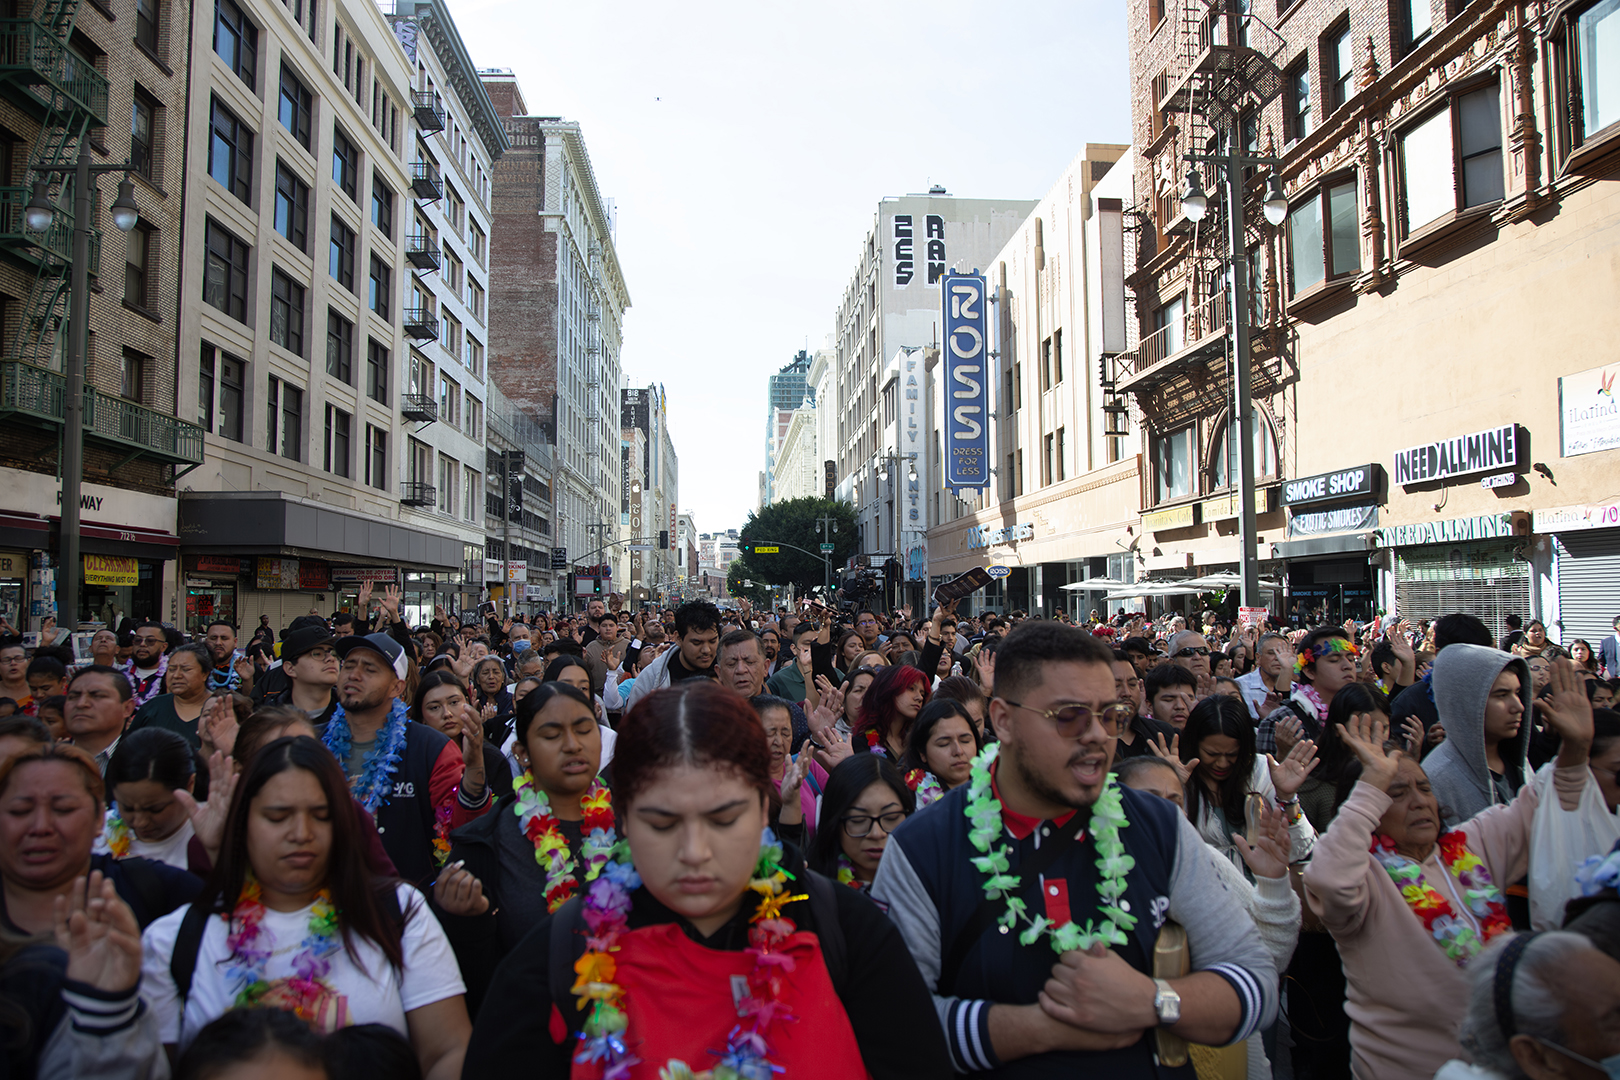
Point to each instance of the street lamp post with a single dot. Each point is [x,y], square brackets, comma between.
[38,216]
[1196,204]
[826,528]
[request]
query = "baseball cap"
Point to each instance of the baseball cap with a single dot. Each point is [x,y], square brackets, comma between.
[295,643]
[1139,644]
[382,644]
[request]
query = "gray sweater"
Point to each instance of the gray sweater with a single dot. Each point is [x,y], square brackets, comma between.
[1457,770]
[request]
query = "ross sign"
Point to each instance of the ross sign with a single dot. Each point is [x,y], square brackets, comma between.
[559,558]
[1326,487]
[1577,518]
[966,388]
[1343,519]
[998,571]
[111,570]
[1483,451]
[217,564]
[987,535]
[1177,517]
[1588,415]
[273,572]
[1454,531]
[1500,480]
[357,575]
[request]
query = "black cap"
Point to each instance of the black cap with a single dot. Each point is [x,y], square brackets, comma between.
[295,643]
[1139,644]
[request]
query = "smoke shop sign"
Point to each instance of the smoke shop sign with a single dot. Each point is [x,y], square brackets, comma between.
[1496,450]
[1454,531]
[1330,486]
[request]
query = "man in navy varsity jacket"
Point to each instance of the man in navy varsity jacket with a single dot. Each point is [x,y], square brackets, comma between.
[1012,1010]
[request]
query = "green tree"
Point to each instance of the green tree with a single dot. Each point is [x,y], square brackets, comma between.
[793,522]
[756,593]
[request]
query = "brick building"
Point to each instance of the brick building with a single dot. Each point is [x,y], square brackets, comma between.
[110,71]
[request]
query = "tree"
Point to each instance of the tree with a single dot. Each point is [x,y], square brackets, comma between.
[756,593]
[793,522]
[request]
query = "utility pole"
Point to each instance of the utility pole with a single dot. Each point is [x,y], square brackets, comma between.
[826,528]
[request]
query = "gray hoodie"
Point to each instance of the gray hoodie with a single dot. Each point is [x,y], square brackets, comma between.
[1462,680]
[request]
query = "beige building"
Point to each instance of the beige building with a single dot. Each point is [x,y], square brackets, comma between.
[305,170]
[798,470]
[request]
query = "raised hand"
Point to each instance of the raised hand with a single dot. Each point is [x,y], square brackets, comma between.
[1568,710]
[390,602]
[457,892]
[99,933]
[1412,729]
[1289,773]
[244,670]
[1267,857]
[1288,730]
[835,748]
[218,727]
[47,631]
[362,600]
[1436,735]
[1206,686]
[984,667]
[1365,734]
[208,819]
[798,768]
[472,745]
[1171,755]
[832,699]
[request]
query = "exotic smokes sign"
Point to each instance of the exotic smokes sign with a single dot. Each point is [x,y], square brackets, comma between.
[1495,450]
[967,398]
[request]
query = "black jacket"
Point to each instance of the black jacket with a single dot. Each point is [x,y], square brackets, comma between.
[889,1007]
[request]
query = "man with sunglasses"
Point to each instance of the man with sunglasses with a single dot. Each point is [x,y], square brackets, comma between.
[148,662]
[1190,649]
[1011,1004]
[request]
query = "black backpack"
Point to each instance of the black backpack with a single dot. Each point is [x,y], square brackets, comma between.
[568,945]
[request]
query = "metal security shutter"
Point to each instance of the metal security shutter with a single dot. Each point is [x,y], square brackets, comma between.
[1483,580]
[1589,583]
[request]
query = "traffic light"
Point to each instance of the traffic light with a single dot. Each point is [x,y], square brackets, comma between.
[596,585]
[663,540]
[758,549]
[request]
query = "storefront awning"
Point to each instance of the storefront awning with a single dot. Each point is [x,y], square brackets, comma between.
[271,523]
[1342,544]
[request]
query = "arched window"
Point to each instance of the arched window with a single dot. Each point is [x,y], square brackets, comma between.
[1223,459]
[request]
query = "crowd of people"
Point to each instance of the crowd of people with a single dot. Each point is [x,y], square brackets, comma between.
[736,844]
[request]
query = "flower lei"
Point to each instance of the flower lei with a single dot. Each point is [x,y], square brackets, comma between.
[875,744]
[1307,657]
[441,829]
[1598,872]
[607,915]
[539,823]
[250,949]
[926,786]
[374,784]
[1456,937]
[846,874]
[985,826]
[144,691]
[117,834]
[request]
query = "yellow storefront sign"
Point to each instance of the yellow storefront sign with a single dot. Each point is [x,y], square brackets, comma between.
[111,570]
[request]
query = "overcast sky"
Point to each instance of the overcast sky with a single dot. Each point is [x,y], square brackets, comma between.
[747,146]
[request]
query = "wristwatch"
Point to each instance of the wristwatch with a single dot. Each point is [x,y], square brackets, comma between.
[1166,1003]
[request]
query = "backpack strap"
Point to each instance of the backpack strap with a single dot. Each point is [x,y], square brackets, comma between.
[824,907]
[183,959]
[567,946]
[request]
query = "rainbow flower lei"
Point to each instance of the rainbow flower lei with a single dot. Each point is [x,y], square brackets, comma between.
[985,827]
[1455,935]
[117,834]
[539,824]
[926,786]
[251,949]
[1322,648]
[846,874]
[607,916]
[375,782]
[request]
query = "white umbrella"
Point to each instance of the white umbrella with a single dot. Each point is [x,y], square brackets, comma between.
[1096,584]
[1149,589]
[1226,579]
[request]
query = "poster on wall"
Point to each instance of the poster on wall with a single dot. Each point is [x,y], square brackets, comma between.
[276,573]
[1588,414]
[111,570]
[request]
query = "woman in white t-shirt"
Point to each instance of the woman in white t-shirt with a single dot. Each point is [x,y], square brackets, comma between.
[146,818]
[290,922]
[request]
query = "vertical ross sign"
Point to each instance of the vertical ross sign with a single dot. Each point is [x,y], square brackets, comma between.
[967,398]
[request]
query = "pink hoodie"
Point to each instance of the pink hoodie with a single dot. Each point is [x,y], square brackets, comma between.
[1407,998]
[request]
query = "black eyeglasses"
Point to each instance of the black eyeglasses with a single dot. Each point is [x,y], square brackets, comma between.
[857,826]
[1192,650]
[1072,720]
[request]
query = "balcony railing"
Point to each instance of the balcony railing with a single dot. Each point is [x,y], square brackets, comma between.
[422,251]
[1186,337]
[419,407]
[41,64]
[16,236]
[416,493]
[29,391]
[421,324]
[429,116]
[426,182]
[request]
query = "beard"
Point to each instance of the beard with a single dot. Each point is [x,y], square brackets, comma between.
[1044,789]
[363,700]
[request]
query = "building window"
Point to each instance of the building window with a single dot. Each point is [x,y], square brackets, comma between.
[337,441]
[455,210]
[1017,386]
[1453,159]
[339,347]
[1172,319]
[1046,364]
[382,207]
[286,312]
[1057,357]
[346,165]
[419,463]
[377,457]
[478,243]
[219,394]
[143,122]
[449,401]
[1341,55]
[475,296]
[380,287]
[1046,461]
[132,381]
[474,360]
[1172,461]
[376,371]
[341,261]
[225,276]
[450,335]
[1592,47]
[284,433]
[236,40]
[421,375]
[296,106]
[146,25]
[1419,16]
[1062,471]
[473,418]
[230,153]
[470,487]
[1225,468]
[1298,102]
[292,207]
[1320,252]
[449,473]
[138,252]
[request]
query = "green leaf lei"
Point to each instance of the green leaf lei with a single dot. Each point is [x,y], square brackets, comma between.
[1107,818]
